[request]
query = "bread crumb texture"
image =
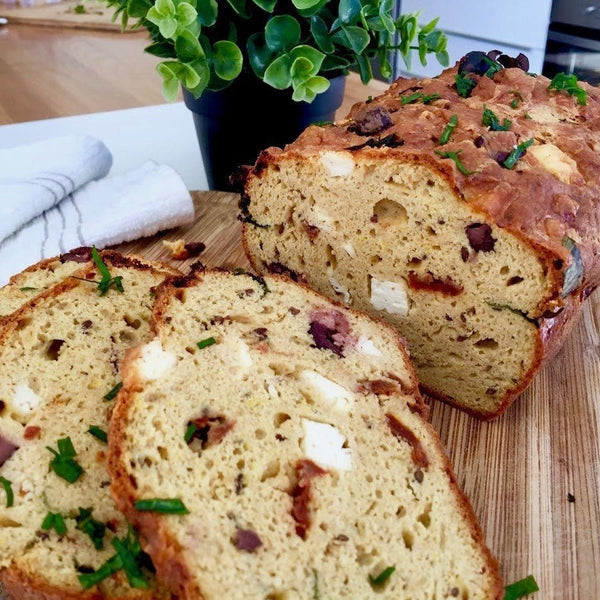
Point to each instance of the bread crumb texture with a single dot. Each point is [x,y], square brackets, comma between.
[60,355]
[470,239]
[290,428]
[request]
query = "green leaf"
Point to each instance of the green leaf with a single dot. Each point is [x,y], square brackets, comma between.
[188,47]
[165,8]
[282,33]
[138,9]
[227,60]
[309,53]
[352,37]
[202,76]
[207,12]
[320,33]
[278,73]
[521,588]
[161,49]
[312,10]
[364,66]
[186,14]
[259,54]
[301,70]
[304,4]
[333,62]
[266,5]
[349,11]
[174,72]
[239,6]
[170,506]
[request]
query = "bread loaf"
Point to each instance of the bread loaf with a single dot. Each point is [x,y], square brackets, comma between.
[462,209]
[285,433]
[60,356]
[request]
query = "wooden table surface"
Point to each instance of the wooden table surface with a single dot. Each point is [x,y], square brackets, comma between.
[518,470]
[48,72]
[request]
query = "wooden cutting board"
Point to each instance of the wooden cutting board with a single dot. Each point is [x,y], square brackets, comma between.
[519,470]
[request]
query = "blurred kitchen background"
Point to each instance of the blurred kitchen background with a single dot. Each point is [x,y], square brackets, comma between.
[563,35]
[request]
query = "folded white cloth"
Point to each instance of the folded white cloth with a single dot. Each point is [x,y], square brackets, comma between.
[36,177]
[110,211]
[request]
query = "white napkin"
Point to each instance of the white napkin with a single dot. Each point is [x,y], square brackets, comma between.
[116,209]
[36,177]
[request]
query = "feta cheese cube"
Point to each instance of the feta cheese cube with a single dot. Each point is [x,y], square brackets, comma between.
[391,296]
[25,400]
[326,391]
[337,164]
[323,444]
[154,362]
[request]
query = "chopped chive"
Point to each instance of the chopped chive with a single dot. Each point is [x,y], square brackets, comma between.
[110,567]
[189,432]
[490,120]
[464,85]
[521,588]
[316,592]
[98,433]
[130,566]
[517,153]
[54,521]
[452,123]
[382,577]
[106,281]
[369,100]
[514,103]
[457,162]
[170,506]
[27,289]
[94,529]
[10,497]
[322,123]
[568,83]
[412,98]
[113,393]
[64,463]
[206,343]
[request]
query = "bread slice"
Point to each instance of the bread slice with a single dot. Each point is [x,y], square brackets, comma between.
[60,356]
[308,468]
[411,210]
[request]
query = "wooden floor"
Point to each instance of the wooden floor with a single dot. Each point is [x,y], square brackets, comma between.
[48,72]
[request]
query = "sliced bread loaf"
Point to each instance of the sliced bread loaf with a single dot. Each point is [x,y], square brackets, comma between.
[462,209]
[60,356]
[270,445]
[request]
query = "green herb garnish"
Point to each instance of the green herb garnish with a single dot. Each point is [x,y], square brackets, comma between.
[382,577]
[452,123]
[80,10]
[95,529]
[10,497]
[316,592]
[512,309]
[490,120]
[464,85]
[457,162]
[189,432]
[426,99]
[168,506]
[113,393]
[129,557]
[107,281]
[517,153]
[521,588]
[322,123]
[206,343]
[568,83]
[98,433]
[369,100]
[27,289]
[64,463]
[54,521]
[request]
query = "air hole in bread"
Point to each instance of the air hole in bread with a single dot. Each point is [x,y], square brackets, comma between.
[133,322]
[179,294]
[425,517]
[408,538]
[388,213]
[331,257]
[271,470]
[487,343]
[53,349]
[514,280]
[278,420]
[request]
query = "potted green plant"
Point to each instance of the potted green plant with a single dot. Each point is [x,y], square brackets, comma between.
[257,72]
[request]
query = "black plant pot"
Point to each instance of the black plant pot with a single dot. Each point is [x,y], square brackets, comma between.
[235,124]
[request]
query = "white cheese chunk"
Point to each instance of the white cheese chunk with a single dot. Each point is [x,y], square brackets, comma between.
[555,161]
[154,362]
[323,444]
[349,248]
[391,296]
[326,391]
[367,347]
[337,164]
[338,288]
[25,400]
